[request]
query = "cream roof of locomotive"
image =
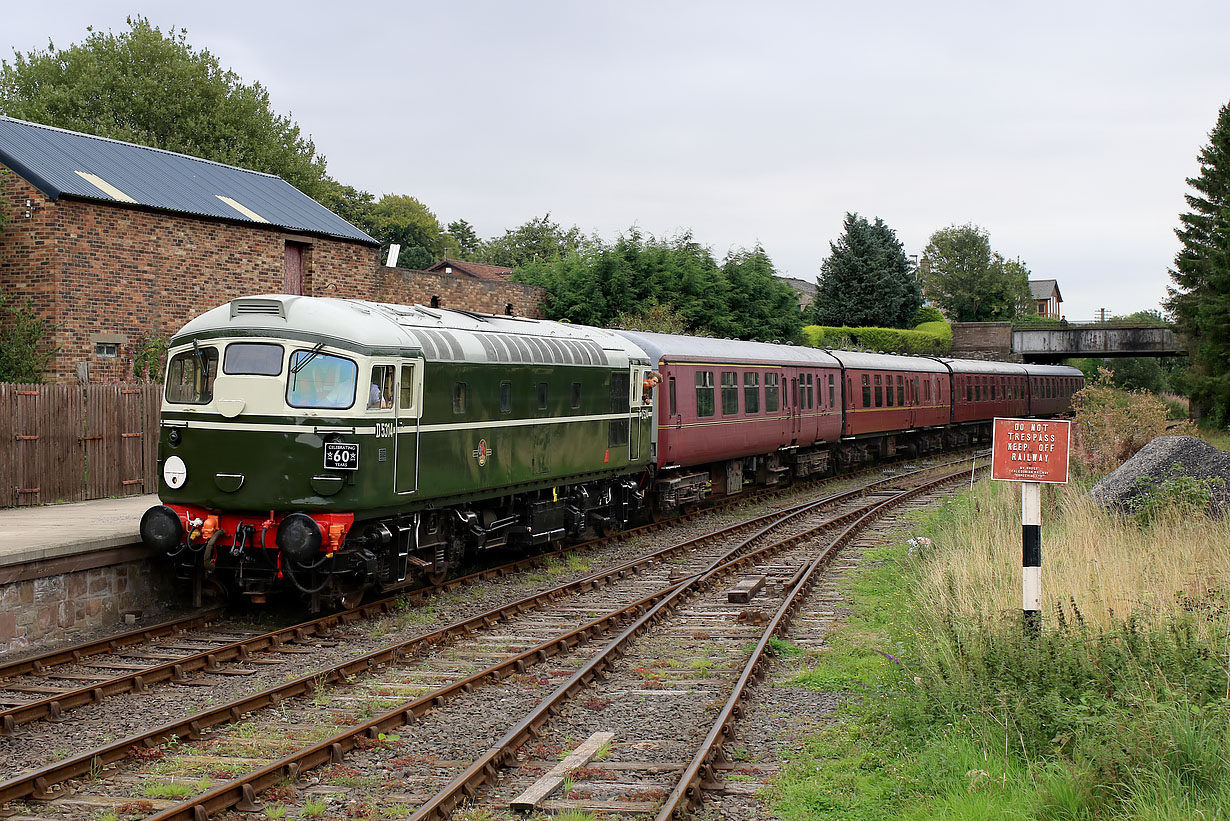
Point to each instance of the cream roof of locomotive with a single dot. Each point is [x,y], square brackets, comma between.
[440,334]
[678,346]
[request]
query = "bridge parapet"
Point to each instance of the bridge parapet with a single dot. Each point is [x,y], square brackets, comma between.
[1053,343]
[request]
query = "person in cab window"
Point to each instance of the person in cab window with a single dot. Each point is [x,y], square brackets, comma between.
[652,380]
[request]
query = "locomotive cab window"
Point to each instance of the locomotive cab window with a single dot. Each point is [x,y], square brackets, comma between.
[190,377]
[406,399]
[380,388]
[253,358]
[321,380]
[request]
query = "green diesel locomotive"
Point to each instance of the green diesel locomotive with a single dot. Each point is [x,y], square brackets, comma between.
[340,446]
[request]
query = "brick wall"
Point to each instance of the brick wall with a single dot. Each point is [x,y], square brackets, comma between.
[982,340]
[29,265]
[401,286]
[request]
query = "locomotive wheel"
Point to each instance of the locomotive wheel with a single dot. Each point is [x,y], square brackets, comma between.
[436,579]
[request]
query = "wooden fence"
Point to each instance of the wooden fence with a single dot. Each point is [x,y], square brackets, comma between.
[67,443]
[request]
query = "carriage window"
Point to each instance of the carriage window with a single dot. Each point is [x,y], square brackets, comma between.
[978,390]
[751,392]
[254,358]
[730,393]
[927,390]
[811,391]
[320,380]
[879,392]
[407,387]
[671,391]
[459,397]
[380,388]
[576,395]
[888,399]
[190,379]
[704,393]
[866,391]
[771,392]
[900,391]
[505,397]
[832,392]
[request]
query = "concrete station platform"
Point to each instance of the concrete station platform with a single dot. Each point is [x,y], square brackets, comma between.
[51,532]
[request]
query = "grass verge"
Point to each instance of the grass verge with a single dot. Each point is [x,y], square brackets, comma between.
[1119,709]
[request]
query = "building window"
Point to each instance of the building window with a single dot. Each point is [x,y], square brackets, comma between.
[107,350]
[508,309]
[435,302]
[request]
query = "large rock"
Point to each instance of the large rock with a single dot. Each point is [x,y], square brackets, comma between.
[1156,460]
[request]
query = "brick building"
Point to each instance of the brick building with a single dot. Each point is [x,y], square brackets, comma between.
[118,244]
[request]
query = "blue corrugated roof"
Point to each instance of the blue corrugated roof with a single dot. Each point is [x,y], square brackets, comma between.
[53,160]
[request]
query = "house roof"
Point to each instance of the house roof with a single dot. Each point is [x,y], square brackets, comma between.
[1044,289]
[478,270]
[67,163]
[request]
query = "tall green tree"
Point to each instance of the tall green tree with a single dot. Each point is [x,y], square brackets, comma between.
[972,283]
[1200,298]
[25,353]
[867,278]
[762,305]
[402,219]
[537,240]
[153,88]
[468,242]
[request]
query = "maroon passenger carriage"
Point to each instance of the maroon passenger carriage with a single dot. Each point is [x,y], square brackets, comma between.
[727,407]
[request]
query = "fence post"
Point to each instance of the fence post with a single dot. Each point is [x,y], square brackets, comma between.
[1031,556]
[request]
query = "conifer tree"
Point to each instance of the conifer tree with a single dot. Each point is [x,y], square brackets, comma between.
[1200,300]
[867,280]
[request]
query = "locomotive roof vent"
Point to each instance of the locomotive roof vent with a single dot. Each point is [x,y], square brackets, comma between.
[257,305]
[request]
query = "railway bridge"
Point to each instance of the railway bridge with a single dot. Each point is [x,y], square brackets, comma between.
[1102,339]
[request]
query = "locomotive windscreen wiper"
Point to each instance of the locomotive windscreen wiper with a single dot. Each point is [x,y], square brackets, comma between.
[303,363]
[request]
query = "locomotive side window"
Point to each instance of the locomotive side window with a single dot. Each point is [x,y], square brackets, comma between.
[576,395]
[542,395]
[771,393]
[459,397]
[506,397]
[866,391]
[406,400]
[620,402]
[730,393]
[380,389]
[255,358]
[190,379]
[704,393]
[751,392]
[321,380]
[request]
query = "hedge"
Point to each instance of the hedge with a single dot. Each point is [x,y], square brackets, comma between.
[931,338]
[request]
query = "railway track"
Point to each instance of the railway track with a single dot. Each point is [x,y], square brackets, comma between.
[332,693]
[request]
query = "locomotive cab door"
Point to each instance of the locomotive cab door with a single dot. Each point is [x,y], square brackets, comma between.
[408,412]
[640,403]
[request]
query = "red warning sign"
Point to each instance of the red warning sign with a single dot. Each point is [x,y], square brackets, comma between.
[1030,450]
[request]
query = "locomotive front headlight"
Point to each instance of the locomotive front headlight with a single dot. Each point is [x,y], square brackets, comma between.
[300,538]
[174,437]
[161,528]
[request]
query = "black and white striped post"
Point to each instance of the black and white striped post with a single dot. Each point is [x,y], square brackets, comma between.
[1030,451]
[1031,556]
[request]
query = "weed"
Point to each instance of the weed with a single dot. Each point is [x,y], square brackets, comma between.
[277,811]
[314,808]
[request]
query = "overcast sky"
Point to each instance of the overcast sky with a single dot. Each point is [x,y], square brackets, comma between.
[1066,130]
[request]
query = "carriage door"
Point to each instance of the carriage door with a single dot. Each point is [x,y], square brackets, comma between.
[409,405]
[796,409]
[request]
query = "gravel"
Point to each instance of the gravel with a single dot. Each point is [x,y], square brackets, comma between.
[1158,460]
